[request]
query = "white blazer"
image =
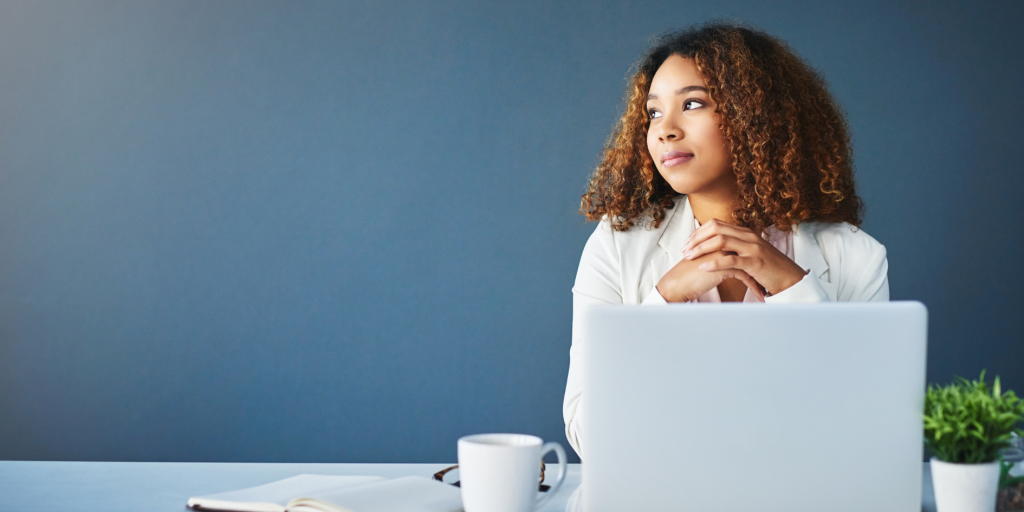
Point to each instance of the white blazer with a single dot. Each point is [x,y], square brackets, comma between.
[618,267]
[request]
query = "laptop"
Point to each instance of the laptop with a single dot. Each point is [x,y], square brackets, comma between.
[753,407]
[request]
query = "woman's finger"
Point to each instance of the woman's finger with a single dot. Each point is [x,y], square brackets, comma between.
[719,243]
[710,245]
[719,228]
[727,262]
[716,227]
[745,278]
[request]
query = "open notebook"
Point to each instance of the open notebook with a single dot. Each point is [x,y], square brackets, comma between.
[330,493]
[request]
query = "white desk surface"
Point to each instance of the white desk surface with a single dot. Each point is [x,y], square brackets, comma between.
[32,486]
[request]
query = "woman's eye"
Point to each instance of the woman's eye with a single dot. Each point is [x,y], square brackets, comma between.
[651,114]
[692,104]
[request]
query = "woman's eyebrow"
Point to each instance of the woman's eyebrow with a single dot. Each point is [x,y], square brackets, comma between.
[684,90]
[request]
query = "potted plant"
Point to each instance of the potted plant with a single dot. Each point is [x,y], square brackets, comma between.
[965,425]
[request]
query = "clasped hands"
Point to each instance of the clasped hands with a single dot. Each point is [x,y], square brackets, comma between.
[717,251]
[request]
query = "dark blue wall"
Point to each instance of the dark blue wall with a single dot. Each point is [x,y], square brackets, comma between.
[320,231]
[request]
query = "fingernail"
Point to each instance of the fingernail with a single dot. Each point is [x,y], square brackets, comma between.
[704,266]
[686,255]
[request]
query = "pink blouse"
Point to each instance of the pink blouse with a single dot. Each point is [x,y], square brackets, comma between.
[780,240]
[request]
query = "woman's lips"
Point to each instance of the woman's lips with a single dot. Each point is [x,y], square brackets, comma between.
[673,158]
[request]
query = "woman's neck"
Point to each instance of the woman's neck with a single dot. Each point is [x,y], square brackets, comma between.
[712,206]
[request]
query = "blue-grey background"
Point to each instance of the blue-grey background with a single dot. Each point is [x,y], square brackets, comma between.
[333,231]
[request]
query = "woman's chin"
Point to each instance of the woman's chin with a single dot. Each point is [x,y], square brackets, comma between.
[691,182]
[685,186]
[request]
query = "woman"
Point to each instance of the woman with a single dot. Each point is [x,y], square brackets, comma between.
[728,179]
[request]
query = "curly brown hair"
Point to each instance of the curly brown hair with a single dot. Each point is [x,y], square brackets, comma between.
[787,137]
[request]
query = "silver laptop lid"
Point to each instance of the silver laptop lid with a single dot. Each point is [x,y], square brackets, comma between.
[734,407]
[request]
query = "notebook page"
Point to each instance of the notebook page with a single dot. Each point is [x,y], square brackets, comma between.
[283,491]
[408,494]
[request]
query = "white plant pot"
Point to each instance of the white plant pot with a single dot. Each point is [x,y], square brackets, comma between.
[965,487]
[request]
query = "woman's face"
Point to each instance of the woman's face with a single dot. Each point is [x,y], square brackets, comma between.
[685,142]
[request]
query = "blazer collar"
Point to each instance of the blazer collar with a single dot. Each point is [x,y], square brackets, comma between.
[675,229]
[678,227]
[807,254]
[806,250]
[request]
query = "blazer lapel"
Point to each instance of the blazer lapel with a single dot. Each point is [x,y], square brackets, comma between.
[807,254]
[678,227]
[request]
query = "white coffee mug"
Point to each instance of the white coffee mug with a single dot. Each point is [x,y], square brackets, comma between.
[501,472]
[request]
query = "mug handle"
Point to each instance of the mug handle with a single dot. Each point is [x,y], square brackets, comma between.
[543,498]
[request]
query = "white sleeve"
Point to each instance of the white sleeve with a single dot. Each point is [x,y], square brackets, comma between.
[857,267]
[654,298]
[806,290]
[597,282]
[572,405]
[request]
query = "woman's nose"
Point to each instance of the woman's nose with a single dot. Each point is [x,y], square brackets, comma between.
[669,130]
